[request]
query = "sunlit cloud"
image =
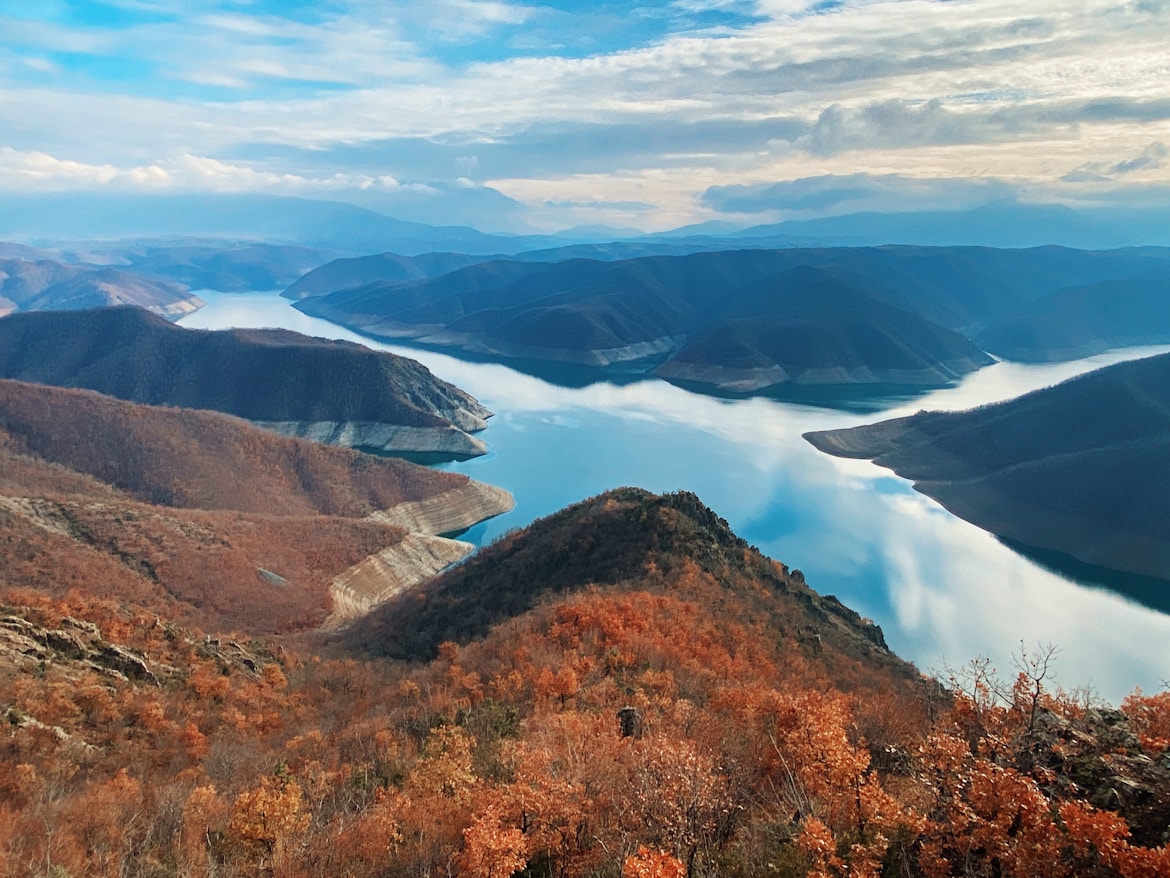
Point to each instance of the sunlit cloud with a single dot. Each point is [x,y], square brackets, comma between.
[683,98]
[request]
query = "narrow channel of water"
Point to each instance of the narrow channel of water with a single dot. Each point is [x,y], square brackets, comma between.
[943,590]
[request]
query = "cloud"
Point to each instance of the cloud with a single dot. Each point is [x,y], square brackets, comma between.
[25,169]
[897,124]
[623,206]
[666,104]
[853,192]
[1152,158]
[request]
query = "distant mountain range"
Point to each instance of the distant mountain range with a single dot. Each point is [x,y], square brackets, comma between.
[329,225]
[735,321]
[1077,471]
[713,307]
[353,230]
[338,392]
[36,284]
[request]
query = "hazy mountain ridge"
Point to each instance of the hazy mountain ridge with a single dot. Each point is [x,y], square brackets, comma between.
[343,274]
[331,225]
[1080,321]
[43,285]
[644,313]
[243,267]
[291,382]
[1078,468]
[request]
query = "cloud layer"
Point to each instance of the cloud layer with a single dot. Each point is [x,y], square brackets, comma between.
[588,112]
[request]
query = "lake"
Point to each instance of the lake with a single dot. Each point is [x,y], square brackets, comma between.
[943,590]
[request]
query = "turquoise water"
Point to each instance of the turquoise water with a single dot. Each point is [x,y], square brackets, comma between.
[942,590]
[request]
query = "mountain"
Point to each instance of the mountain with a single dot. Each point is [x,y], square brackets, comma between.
[1076,470]
[332,391]
[722,309]
[43,285]
[227,267]
[328,225]
[805,326]
[1005,223]
[208,520]
[654,698]
[625,536]
[344,274]
[1081,321]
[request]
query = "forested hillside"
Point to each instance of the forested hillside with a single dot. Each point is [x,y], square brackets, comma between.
[198,516]
[744,321]
[698,712]
[276,377]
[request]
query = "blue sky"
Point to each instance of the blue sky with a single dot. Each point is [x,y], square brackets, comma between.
[545,115]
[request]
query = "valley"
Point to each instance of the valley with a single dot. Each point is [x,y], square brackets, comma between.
[479,439]
[942,589]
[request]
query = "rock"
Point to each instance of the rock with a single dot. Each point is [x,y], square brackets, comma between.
[125,662]
[388,438]
[1098,757]
[449,512]
[389,572]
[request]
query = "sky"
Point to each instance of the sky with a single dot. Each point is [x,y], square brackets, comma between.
[515,116]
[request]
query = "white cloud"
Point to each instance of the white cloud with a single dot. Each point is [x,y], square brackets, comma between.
[37,171]
[915,87]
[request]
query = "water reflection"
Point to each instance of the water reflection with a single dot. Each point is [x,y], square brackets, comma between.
[942,589]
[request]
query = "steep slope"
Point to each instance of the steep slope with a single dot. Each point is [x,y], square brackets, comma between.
[205,519]
[627,537]
[1084,320]
[43,285]
[330,391]
[708,715]
[811,327]
[1078,469]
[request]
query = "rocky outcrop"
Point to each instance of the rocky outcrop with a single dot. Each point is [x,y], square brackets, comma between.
[24,644]
[449,512]
[1098,757]
[379,437]
[390,572]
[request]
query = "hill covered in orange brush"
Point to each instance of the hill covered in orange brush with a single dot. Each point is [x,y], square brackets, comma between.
[195,515]
[333,391]
[695,711]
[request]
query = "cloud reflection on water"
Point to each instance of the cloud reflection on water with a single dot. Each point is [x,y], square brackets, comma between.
[942,589]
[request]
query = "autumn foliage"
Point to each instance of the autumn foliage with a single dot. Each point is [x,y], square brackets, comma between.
[755,746]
